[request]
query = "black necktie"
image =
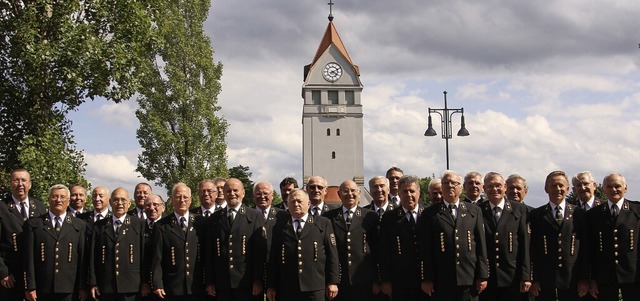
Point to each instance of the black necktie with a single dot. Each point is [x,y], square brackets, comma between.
[231,216]
[299,227]
[58,224]
[614,212]
[117,230]
[141,214]
[497,212]
[206,213]
[151,224]
[25,216]
[348,217]
[315,211]
[412,220]
[380,212]
[98,217]
[559,216]
[452,208]
[183,224]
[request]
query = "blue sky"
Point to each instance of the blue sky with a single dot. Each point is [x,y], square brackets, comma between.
[544,87]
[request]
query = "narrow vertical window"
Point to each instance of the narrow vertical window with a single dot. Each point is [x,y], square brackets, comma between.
[333,155]
[315,97]
[333,97]
[338,132]
[328,132]
[350,97]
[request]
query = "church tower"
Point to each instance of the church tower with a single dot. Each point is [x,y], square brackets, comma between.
[332,114]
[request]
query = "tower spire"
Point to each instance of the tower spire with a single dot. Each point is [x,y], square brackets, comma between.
[330,10]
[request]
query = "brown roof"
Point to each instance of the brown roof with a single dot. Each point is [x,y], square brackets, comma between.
[330,37]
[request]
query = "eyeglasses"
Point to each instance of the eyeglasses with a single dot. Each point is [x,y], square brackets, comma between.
[119,201]
[451,183]
[20,181]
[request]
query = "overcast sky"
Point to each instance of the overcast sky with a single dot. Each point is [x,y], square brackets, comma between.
[545,86]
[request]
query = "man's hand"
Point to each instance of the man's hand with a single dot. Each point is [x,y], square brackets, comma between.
[332,291]
[427,287]
[271,294]
[593,289]
[481,284]
[160,293]
[94,292]
[376,287]
[387,288]
[525,286]
[535,289]
[30,295]
[210,290]
[583,288]
[145,289]
[82,295]
[257,287]
[8,282]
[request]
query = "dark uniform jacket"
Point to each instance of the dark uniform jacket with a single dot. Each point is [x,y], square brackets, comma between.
[311,260]
[53,261]
[177,266]
[11,222]
[116,260]
[558,252]
[507,244]
[356,245]
[236,252]
[615,244]
[453,252]
[398,248]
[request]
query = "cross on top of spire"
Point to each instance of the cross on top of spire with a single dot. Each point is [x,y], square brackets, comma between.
[330,10]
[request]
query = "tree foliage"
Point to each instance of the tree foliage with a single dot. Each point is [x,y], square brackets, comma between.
[54,156]
[55,55]
[182,138]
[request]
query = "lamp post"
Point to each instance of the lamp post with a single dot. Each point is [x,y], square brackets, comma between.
[445,116]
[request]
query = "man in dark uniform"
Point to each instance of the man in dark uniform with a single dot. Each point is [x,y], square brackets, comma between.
[401,269]
[176,268]
[77,200]
[15,209]
[435,191]
[207,193]
[584,187]
[100,200]
[507,238]
[140,193]
[116,253]
[287,185]
[303,262]
[558,245]
[53,252]
[473,188]
[356,231]
[394,174]
[379,190]
[452,246]
[317,191]
[236,248]
[263,197]
[154,209]
[613,233]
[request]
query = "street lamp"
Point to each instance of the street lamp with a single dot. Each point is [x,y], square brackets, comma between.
[445,117]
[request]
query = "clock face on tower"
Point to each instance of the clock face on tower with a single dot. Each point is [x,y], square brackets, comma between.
[332,72]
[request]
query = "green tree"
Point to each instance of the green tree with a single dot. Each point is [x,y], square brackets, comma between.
[243,174]
[182,138]
[52,159]
[54,56]
[424,191]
